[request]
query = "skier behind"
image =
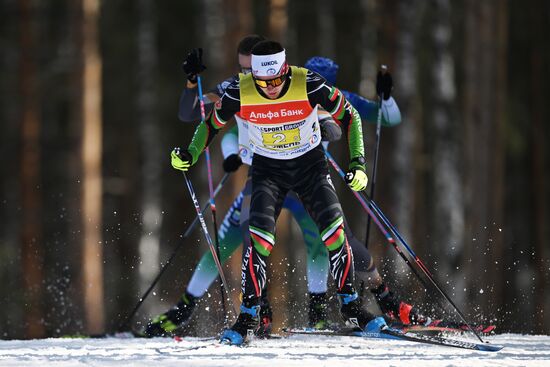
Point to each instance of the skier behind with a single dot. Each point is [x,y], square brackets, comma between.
[229,233]
[388,301]
[280,103]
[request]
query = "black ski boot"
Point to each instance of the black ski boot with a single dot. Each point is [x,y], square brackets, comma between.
[178,316]
[353,313]
[246,325]
[391,305]
[266,318]
[318,316]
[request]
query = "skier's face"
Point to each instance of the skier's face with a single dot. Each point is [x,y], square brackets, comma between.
[272,87]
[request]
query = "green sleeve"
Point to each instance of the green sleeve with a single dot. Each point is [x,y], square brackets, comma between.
[198,143]
[355,141]
[342,111]
[204,133]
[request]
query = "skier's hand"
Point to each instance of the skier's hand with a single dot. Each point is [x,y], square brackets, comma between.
[357,179]
[181,159]
[330,131]
[384,83]
[232,163]
[192,66]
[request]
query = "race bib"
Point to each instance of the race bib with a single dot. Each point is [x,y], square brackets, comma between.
[281,139]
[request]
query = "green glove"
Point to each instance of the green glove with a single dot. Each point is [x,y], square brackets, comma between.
[181,159]
[357,180]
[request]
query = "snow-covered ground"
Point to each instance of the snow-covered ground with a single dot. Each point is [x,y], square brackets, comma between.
[299,350]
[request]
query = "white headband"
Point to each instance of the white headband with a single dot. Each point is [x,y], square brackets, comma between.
[268,65]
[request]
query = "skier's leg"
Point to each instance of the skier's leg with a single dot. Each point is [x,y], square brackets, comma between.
[389,302]
[230,238]
[204,275]
[321,201]
[317,262]
[266,314]
[365,269]
[317,255]
[266,202]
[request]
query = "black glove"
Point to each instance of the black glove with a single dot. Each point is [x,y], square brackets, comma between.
[330,131]
[192,66]
[384,84]
[232,163]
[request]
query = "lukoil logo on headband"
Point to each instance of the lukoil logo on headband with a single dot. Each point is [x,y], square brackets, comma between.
[267,65]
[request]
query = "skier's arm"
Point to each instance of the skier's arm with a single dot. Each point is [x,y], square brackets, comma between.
[368,110]
[189,106]
[223,110]
[230,150]
[330,130]
[230,142]
[334,102]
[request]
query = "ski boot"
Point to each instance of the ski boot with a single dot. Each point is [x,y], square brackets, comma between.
[353,313]
[318,317]
[178,316]
[246,325]
[266,318]
[391,305]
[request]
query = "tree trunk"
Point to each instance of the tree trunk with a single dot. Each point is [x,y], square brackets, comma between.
[369,59]
[150,143]
[92,259]
[12,323]
[497,173]
[404,149]
[239,23]
[539,167]
[278,20]
[32,253]
[327,28]
[447,208]
[479,125]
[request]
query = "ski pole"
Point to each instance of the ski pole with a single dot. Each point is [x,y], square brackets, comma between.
[210,190]
[386,234]
[123,326]
[417,260]
[208,238]
[383,69]
[374,211]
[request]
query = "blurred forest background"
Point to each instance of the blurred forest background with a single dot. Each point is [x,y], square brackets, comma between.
[90,207]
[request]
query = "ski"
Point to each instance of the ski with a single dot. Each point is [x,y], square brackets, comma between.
[399,335]
[443,329]
[438,340]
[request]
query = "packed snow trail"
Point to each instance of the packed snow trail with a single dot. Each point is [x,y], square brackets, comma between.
[298,350]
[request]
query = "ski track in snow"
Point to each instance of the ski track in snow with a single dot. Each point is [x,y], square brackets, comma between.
[298,350]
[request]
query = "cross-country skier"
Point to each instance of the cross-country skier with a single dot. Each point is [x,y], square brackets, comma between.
[229,235]
[280,103]
[235,221]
